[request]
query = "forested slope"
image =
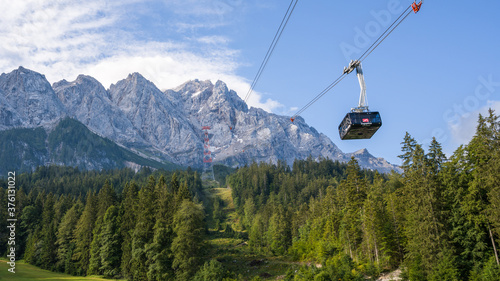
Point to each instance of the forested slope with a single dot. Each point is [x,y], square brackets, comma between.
[438,220]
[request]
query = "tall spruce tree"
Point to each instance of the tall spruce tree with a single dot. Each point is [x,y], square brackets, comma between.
[186,247]
[279,232]
[376,223]
[257,239]
[422,191]
[183,193]
[352,193]
[482,152]
[143,233]
[49,250]
[160,267]
[128,211]
[65,242]
[110,241]
[105,199]
[83,234]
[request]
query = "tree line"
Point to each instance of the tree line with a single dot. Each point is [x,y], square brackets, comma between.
[152,230]
[438,220]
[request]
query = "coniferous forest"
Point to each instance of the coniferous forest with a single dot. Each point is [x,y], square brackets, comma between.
[438,220]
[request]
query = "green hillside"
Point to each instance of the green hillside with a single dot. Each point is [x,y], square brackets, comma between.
[27,272]
[69,144]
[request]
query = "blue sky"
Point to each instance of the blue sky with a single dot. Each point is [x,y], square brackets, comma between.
[430,77]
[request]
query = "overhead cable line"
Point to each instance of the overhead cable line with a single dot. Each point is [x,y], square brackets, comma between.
[270,51]
[322,93]
[375,45]
[413,7]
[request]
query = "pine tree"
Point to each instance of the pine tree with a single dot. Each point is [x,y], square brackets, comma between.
[492,175]
[394,200]
[110,240]
[30,221]
[83,234]
[105,199]
[186,246]
[159,252]
[21,201]
[481,200]
[408,149]
[423,223]
[352,193]
[48,255]
[143,233]
[160,267]
[128,210]
[460,231]
[33,249]
[377,229]
[95,247]
[65,243]
[183,193]
[3,218]
[279,232]
[257,240]
[249,212]
[174,184]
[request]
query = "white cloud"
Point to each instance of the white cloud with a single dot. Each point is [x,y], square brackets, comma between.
[47,36]
[241,86]
[213,40]
[64,38]
[204,7]
[463,131]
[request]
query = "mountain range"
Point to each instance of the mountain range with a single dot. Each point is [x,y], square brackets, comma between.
[133,123]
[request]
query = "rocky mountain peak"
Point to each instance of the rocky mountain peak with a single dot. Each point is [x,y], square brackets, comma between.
[366,159]
[221,90]
[137,78]
[135,89]
[28,100]
[203,94]
[25,80]
[84,87]
[194,87]
[362,153]
[166,126]
[89,102]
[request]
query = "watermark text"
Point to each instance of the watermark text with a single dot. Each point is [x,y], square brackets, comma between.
[11,221]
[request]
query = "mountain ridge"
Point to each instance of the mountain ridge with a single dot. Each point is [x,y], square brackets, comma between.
[165,126]
[69,143]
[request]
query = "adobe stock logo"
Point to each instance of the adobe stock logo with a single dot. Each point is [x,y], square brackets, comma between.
[223,7]
[372,29]
[484,89]
[460,113]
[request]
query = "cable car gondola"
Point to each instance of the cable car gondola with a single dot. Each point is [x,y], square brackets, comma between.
[360,123]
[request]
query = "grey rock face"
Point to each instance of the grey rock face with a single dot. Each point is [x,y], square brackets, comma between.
[28,101]
[157,120]
[365,159]
[240,135]
[87,101]
[166,126]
